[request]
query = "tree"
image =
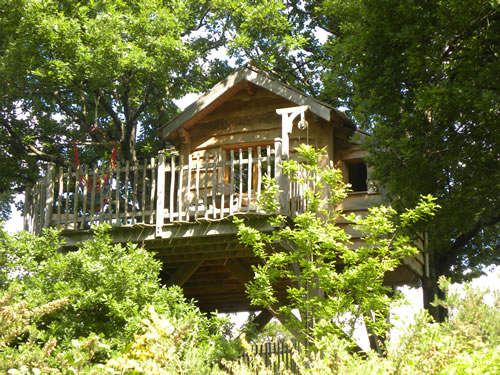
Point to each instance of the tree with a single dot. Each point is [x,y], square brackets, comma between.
[332,285]
[66,65]
[423,79]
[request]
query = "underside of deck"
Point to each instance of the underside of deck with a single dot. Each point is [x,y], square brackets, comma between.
[208,262]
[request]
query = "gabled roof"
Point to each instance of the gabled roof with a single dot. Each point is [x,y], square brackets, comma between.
[248,73]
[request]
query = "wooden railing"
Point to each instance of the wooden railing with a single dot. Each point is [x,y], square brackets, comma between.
[277,355]
[158,191]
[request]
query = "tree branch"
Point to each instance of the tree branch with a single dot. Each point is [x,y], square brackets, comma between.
[464,238]
[31,150]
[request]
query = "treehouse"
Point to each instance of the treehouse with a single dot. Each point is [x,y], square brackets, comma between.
[180,204]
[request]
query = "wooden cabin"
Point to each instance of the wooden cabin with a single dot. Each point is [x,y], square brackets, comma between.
[180,204]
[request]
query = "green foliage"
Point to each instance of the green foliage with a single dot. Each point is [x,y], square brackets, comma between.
[167,345]
[424,78]
[466,344]
[66,65]
[331,284]
[79,308]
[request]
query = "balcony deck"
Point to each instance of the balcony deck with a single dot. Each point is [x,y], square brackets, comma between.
[156,193]
[182,210]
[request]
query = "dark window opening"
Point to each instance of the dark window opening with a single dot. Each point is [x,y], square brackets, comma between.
[357,176]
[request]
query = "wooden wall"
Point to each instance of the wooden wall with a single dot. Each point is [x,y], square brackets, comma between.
[249,119]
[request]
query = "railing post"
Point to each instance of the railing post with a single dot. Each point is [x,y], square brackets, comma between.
[49,194]
[160,193]
[27,208]
[281,178]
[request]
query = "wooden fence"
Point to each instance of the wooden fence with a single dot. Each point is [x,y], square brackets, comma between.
[276,354]
[158,191]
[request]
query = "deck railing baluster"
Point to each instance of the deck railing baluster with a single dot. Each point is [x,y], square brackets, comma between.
[189,199]
[153,192]
[143,195]
[60,189]
[127,169]
[205,187]
[222,183]
[118,196]
[249,188]
[197,188]
[231,182]
[212,186]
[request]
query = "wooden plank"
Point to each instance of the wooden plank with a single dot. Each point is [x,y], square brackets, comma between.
[182,258]
[249,181]
[231,182]
[49,194]
[135,199]
[259,171]
[85,192]
[180,192]
[239,270]
[75,207]
[102,189]
[126,183]
[189,200]
[110,195]
[60,182]
[160,194]
[143,195]
[255,77]
[183,273]
[118,197]
[240,163]
[268,160]
[172,188]
[66,203]
[92,195]
[359,201]
[281,178]
[197,188]
[214,185]
[153,191]
[205,187]
[261,320]
[28,202]
[222,180]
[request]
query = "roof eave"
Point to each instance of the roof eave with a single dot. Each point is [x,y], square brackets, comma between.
[258,78]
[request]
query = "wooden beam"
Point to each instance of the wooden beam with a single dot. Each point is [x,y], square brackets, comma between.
[182,258]
[261,320]
[183,273]
[239,270]
[244,275]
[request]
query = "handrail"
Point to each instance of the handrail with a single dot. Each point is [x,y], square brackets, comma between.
[156,192]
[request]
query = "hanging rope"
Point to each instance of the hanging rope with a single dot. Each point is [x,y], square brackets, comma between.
[101,184]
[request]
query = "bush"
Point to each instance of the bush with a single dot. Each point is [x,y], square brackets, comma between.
[74,310]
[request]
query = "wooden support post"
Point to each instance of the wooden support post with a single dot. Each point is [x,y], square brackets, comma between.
[27,208]
[261,320]
[183,273]
[49,194]
[244,275]
[281,178]
[160,194]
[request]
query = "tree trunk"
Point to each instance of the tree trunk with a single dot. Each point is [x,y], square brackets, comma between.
[431,290]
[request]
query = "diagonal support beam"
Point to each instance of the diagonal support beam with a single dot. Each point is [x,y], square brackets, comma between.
[244,274]
[261,320]
[183,273]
